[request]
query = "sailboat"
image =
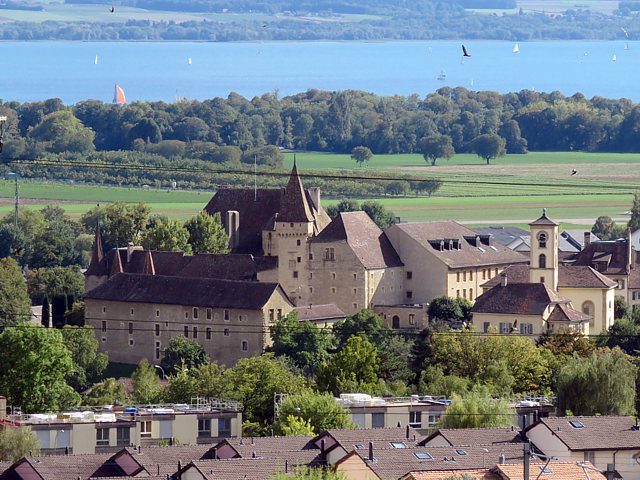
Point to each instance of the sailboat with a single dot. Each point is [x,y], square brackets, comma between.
[516,48]
[614,58]
[471,83]
[443,75]
[95,60]
[118,96]
[189,61]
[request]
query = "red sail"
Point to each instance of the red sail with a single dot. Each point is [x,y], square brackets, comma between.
[118,96]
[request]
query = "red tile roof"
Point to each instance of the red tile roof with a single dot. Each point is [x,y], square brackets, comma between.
[556,471]
[598,433]
[369,244]
[518,298]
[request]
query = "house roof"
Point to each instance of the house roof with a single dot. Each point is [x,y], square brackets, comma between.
[97,265]
[609,257]
[196,292]
[564,313]
[556,471]
[367,241]
[518,299]
[575,239]
[392,463]
[473,250]
[480,474]
[259,209]
[320,312]
[273,445]
[597,433]
[569,276]
[475,436]
[502,234]
[260,467]
[349,438]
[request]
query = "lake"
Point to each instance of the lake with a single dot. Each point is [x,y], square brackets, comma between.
[31,71]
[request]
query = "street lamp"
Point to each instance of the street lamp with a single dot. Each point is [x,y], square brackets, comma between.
[15,176]
[161,369]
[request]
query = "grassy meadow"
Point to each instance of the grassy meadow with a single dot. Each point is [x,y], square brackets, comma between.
[512,190]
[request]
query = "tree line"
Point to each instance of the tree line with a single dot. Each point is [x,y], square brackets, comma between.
[422,20]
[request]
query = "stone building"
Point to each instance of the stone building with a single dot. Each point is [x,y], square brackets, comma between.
[446,258]
[135,316]
[274,223]
[353,264]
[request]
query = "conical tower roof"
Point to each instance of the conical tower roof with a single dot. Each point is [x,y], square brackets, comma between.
[294,206]
[98,264]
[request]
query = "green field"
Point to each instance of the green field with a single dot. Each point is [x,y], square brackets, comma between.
[512,190]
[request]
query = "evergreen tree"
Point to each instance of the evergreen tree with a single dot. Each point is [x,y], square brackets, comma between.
[634,221]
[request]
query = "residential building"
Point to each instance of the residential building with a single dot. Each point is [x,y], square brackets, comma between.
[446,258]
[534,299]
[107,430]
[599,440]
[353,264]
[616,260]
[135,316]
[322,316]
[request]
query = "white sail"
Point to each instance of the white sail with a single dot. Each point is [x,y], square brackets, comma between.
[516,48]
[443,75]
[95,60]
[614,58]
[189,62]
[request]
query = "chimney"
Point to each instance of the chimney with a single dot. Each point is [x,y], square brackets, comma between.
[408,431]
[503,279]
[214,453]
[502,459]
[130,249]
[314,193]
[3,408]
[371,451]
[233,228]
[587,239]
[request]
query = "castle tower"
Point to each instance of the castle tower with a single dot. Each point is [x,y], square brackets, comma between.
[97,272]
[544,251]
[294,226]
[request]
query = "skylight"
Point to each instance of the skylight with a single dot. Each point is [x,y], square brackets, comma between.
[461,452]
[576,423]
[398,445]
[423,456]
[545,469]
[359,446]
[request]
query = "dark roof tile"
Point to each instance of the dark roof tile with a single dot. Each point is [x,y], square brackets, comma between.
[197,292]
[517,298]
[475,436]
[569,276]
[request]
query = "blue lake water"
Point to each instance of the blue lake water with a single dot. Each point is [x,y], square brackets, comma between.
[31,71]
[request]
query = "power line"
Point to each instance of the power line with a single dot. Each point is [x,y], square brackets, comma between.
[619,189]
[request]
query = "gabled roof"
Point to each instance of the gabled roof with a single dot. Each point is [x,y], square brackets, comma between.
[458,246]
[518,299]
[370,244]
[349,438]
[392,463]
[476,474]
[597,433]
[569,276]
[556,471]
[609,257]
[475,436]
[196,292]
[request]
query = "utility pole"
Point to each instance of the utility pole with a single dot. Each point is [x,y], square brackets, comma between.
[526,459]
[17,197]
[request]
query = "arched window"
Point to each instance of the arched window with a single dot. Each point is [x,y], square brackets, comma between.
[542,240]
[542,261]
[395,321]
[589,308]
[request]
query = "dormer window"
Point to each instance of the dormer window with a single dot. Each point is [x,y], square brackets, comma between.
[542,240]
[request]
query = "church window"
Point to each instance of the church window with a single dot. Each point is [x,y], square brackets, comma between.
[542,240]
[542,261]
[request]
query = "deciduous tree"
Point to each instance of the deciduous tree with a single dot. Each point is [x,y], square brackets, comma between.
[15,306]
[436,146]
[320,411]
[182,353]
[601,384]
[478,409]
[146,384]
[380,215]
[167,235]
[488,146]
[361,154]
[35,363]
[107,392]
[88,363]
[206,234]
[17,442]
